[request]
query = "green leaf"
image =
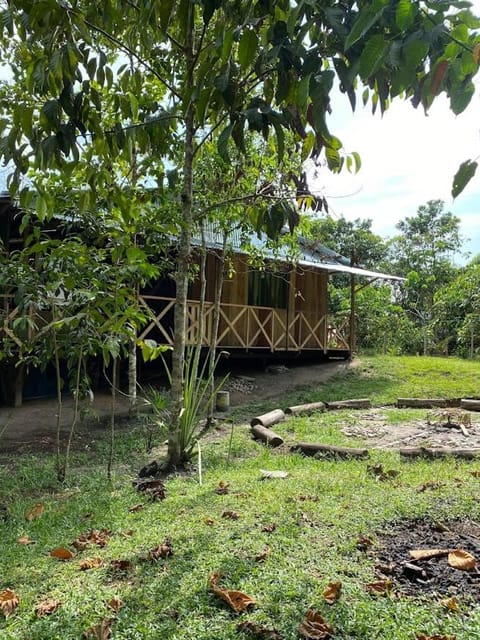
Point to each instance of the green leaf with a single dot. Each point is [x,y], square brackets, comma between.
[247,48]
[165,11]
[405,14]
[373,55]
[465,173]
[222,143]
[364,21]
[460,99]
[415,52]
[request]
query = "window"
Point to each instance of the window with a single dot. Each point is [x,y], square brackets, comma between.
[266,289]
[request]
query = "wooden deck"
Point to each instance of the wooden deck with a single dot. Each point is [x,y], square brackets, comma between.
[247,327]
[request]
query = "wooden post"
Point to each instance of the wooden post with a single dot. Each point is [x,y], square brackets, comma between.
[352,336]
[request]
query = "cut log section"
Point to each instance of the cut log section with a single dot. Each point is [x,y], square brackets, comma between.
[267,419]
[266,435]
[305,408]
[471,405]
[422,403]
[427,452]
[362,403]
[327,450]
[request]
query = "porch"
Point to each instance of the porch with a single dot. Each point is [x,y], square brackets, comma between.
[247,327]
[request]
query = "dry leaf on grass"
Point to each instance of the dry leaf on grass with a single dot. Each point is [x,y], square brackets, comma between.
[450,603]
[363,543]
[115,603]
[222,488]
[260,557]
[90,563]
[62,553]
[100,631]
[25,540]
[431,485]
[209,521]
[164,550]
[231,515]
[379,473]
[332,592]
[436,636]
[427,554]
[237,600]
[269,528]
[259,631]
[35,512]
[8,601]
[136,507]
[155,489]
[460,559]
[121,567]
[475,474]
[380,587]
[47,607]
[314,627]
[95,537]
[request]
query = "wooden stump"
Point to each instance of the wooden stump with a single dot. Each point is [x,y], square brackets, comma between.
[427,452]
[470,405]
[422,403]
[362,403]
[267,419]
[305,408]
[267,436]
[318,449]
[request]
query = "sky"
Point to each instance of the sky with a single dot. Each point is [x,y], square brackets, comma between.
[408,158]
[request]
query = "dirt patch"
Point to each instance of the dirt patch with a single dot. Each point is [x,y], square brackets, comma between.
[432,576]
[429,431]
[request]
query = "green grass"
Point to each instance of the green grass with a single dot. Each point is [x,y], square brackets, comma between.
[318,511]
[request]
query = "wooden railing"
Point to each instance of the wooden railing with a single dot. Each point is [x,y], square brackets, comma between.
[246,327]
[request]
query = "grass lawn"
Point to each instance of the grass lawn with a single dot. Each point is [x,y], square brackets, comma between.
[281,541]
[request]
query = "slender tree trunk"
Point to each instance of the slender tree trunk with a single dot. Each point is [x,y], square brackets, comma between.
[113,406]
[75,416]
[58,419]
[175,453]
[132,374]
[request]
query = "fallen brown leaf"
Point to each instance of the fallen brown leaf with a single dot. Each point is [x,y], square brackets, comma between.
[35,512]
[363,543]
[8,601]
[62,553]
[237,600]
[269,528]
[100,631]
[222,488]
[279,475]
[155,489]
[379,473]
[314,627]
[427,554]
[232,515]
[380,587]
[209,521]
[436,636]
[95,537]
[164,550]
[47,607]
[430,485]
[259,631]
[260,557]
[386,568]
[332,592]
[460,559]
[115,603]
[136,507]
[450,603]
[26,540]
[90,563]
[475,474]
[121,566]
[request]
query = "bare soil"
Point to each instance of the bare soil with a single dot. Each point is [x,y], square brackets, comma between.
[433,576]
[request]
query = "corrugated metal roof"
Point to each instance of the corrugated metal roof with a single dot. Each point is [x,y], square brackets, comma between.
[315,256]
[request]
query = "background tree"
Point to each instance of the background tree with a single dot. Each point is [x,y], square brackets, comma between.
[233,68]
[423,254]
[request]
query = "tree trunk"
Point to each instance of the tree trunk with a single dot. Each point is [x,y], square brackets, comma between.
[175,454]
[132,375]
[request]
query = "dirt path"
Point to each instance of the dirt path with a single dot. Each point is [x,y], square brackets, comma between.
[32,427]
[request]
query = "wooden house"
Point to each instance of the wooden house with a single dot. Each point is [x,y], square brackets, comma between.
[278,308]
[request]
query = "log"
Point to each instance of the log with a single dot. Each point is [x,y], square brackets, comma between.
[362,403]
[266,435]
[305,408]
[471,405]
[318,449]
[422,403]
[267,419]
[427,452]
